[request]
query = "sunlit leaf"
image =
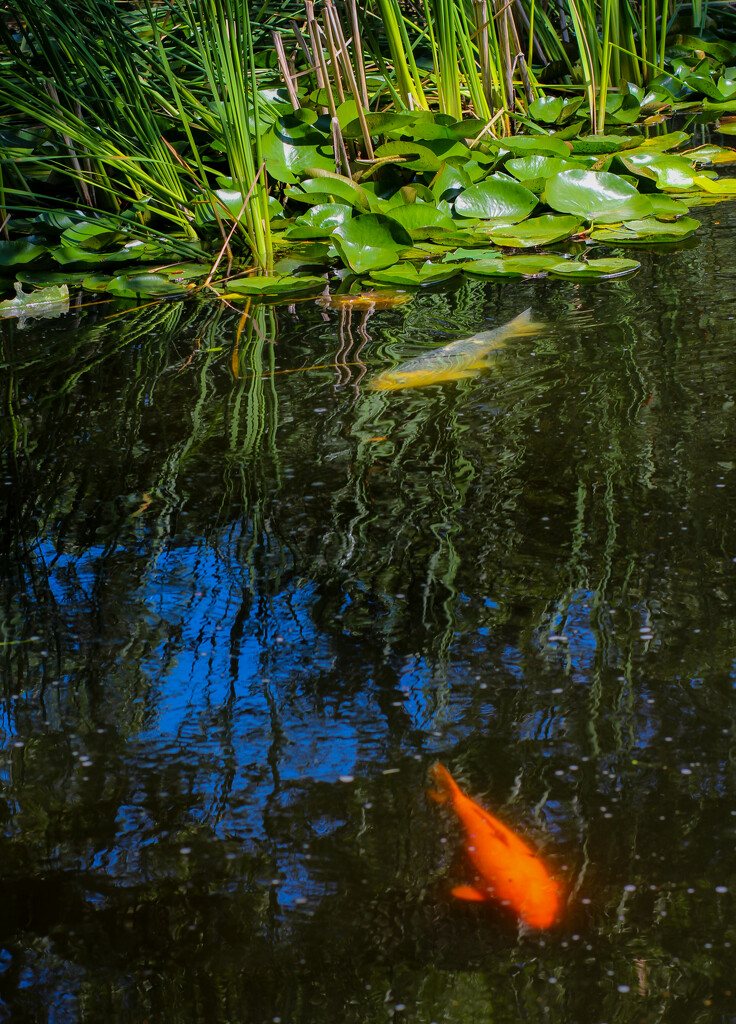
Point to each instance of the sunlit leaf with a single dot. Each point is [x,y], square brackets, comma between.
[596,195]
[276,286]
[648,230]
[600,268]
[320,221]
[21,251]
[133,285]
[413,155]
[496,200]
[370,241]
[408,274]
[43,302]
[538,231]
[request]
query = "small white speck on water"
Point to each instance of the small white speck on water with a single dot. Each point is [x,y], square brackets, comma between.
[721,888]
[185,851]
[346,778]
[623,989]
[629,888]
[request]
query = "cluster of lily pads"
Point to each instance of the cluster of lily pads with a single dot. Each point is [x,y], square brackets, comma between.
[439,198]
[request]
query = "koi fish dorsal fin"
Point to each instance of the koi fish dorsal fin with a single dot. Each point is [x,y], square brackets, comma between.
[447,788]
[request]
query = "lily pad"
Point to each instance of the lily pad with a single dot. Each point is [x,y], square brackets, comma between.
[42,302]
[130,286]
[273,286]
[407,274]
[319,221]
[418,216]
[21,251]
[504,201]
[533,166]
[411,154]
[596,196]
[669,171]
[601,268]
[646,231]
[336,186]
[370,241]
[513,266]
[542,230]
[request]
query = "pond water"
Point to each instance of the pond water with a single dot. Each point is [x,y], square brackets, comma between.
[247,602]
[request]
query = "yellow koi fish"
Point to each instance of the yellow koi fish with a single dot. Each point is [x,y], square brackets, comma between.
[463,358]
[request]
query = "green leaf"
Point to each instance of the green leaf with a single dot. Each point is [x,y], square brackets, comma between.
[405,273]
[595,195]
[539,145]
[412,155]
[608,267]
[533,166]
[370,241]
[421,215]
[43,302]
[450,181]
[319,221]
[554,109]
[379,124]
[496,200]
[290,147]
[513,266]
[336,186]
[603,144]
[47,278]
[648,230]
[132,285]
[21,251]
[538,231]
[668,171]
[277,287]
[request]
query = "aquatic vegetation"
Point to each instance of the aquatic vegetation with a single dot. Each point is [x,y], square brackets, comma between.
[174,133]
[508,871]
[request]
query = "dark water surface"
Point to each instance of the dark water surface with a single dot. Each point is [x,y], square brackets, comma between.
[245,609]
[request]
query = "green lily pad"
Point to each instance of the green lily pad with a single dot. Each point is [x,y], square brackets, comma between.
[710,154]
[409,275]
[450,181]
[320,221]
[290,147]
[543,230]
[601,268]
[21,251]
[526,168]
[596,196]
[378,124]
[42,302]
[504,201]
[513,266]
[603,144]
[49,278]
[721,187]
[336,186]
[276,287]
[669,171]
[554,109]
[371,241]
[646,231]
[411,154]
[421,215]
[541,145]
[130,286]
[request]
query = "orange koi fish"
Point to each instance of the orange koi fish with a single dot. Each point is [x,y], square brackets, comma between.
[508,870]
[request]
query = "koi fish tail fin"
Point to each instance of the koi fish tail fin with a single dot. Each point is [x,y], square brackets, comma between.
[523,324]
[446,789]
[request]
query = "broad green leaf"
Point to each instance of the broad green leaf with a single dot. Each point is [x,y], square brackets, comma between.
[95,235]
[379,124]
[670,140]
[554,109]
[48,278]
[421,215]
[670,172]
[21,251]
[721,187]
[533,166]
[291,147]
[406,195]
[710,154]
[96,282]
[603,144]
[512,266]
[130,286]
[596,195]
[496,200]
[472,254]
[542,230]
[319,221]
[450,181]
[43,302]
[646,231]
[337,186]
[607,267]
[413,155]
[272,285]
[370,241]
[541,145]
[405,273]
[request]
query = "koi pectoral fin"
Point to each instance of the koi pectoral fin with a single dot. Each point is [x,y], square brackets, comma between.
[468,892]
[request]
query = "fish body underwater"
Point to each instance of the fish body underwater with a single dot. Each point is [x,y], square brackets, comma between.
[508,870]
[463,358]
